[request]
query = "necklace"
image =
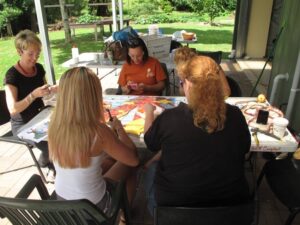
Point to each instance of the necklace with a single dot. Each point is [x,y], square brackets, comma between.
[26,72]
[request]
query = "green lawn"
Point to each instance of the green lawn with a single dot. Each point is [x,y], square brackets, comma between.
[210,38]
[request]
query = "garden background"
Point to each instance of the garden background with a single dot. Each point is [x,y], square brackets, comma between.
[212,21]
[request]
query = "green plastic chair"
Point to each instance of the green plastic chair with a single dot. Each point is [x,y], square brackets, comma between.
[23,211]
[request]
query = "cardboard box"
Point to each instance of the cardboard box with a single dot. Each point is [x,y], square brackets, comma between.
[158,46]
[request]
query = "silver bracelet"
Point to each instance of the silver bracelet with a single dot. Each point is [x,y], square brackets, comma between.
[30,98]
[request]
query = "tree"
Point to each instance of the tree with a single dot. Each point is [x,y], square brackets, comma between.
[65,20]
[8,12]
[213,8]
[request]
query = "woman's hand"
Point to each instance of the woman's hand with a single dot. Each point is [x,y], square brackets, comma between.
[116,125]
[132,85]
[149,108]
[41,91]
[53,89]
[142,87]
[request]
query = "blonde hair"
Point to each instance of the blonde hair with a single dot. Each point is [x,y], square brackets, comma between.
[26,38]
[206,97]
[75,120]
[183,54]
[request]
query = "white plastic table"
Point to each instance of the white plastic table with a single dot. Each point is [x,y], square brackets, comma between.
[266,143]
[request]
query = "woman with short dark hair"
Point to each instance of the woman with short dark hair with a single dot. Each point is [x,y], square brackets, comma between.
[141,74]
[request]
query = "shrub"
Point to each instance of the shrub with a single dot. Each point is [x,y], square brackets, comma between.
[146,8]
[181,5]
[166,6]
[156,18]
[87,18]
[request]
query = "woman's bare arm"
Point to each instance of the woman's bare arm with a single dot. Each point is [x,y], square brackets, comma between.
[14,106]
[119,146]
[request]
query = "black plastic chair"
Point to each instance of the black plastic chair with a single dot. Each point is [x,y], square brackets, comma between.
[217,55]
[174,45]
[234,87]
[283,178]
[20,210]
[243,214]
[8,137]
[167,90]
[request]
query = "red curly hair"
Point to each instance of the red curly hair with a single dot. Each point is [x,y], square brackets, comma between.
[206,97]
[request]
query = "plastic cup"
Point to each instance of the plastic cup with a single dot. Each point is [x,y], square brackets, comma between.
[96,57]
[279,126]
[101,57]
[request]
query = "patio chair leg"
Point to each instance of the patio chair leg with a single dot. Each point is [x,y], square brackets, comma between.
[37,164]
[292,217]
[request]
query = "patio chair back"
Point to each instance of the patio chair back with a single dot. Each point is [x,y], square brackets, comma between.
[166,91]
[243,214]
[21,210]
[217,55]
[8,137]
[40,212]
[283,178]
[4,113]
[235,89]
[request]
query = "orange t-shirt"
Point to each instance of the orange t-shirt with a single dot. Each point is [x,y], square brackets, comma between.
[149,73]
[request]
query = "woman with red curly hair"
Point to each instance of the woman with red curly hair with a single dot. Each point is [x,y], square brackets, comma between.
[203,144]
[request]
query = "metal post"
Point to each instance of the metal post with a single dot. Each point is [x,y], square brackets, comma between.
[42,23]
[295,90]
[121,13]
[114,15]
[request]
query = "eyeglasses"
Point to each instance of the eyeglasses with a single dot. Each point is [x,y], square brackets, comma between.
[181,82]
[32,53]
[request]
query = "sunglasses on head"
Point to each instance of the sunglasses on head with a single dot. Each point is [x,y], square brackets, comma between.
[133,42]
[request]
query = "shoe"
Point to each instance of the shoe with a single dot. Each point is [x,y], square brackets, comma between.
[43,161]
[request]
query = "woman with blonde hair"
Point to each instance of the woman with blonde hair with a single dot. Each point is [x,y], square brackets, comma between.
[203,143]
[25,86]
[80,141]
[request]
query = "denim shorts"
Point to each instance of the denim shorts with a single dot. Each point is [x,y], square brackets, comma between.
[149,187]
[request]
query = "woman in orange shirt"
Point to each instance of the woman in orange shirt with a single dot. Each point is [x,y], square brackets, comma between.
[141,74]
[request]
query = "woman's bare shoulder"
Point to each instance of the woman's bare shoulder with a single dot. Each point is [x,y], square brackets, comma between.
[103,137]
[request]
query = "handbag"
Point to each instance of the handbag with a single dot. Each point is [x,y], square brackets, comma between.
[116,50]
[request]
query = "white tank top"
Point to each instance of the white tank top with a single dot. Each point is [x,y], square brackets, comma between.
[81,183]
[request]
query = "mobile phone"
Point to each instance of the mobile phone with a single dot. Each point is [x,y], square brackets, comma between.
[262,116]
[133,86]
